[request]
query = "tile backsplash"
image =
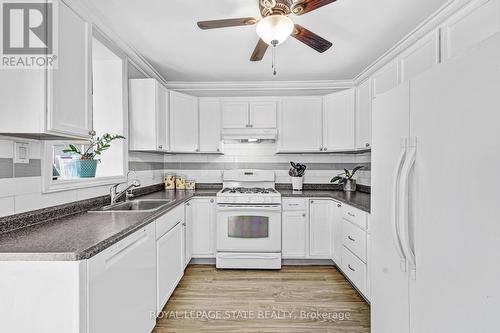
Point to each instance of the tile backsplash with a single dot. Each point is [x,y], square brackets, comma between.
[21,184]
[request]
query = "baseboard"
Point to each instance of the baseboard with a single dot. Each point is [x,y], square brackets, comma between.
[307,262]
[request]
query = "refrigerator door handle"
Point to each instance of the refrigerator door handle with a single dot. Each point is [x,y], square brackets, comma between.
[396,205]
[404,212]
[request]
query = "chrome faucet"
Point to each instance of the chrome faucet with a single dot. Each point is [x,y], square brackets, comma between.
[115,196]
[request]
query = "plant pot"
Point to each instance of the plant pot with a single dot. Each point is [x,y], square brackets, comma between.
[297,183]
[350,185]
[86,168]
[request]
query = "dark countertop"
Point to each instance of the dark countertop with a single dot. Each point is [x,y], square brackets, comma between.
[359,200]
[84,235]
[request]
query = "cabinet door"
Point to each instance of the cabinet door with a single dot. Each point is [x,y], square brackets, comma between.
[183,123]
[385,79]
[339,121]
[364,116]
[337,233]
[170,266]
[294,235]
[235,115]
[320,228]
[69,99]
[122,285]
[300,125]
[202,218]
[162,118]
[263,114]
[210,117]
[188,234]
[420,57]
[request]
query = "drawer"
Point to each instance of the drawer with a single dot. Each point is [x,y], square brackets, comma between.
[293,204]
[169,220]
[355,269]
[354,239]
[356,216]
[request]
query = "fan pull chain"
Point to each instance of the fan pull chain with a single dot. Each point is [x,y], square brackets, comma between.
[274,60]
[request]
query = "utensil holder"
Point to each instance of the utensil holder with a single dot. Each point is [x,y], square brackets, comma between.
[297,183]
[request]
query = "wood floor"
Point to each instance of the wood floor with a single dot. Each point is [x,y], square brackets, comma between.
[295,299]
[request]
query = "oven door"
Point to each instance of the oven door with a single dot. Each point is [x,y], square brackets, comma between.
[248,228]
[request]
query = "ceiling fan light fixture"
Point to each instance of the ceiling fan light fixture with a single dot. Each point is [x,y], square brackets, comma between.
[275,29]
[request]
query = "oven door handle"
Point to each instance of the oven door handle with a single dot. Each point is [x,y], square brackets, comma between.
[224,208]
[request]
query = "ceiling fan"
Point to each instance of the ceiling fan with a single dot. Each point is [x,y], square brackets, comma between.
[275,26]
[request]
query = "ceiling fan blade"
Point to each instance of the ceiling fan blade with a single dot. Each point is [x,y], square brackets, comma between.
[260,51]
[204,25]
[311,39]
[306,6]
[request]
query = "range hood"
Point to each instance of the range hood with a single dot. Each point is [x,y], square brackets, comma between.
[249,134]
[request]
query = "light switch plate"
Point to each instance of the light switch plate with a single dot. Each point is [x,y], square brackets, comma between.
[21,152]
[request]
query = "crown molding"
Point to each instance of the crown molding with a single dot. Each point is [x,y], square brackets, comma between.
[434,21]
[261,85]
[90,13]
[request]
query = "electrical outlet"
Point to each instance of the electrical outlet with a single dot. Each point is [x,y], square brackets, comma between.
[21,152]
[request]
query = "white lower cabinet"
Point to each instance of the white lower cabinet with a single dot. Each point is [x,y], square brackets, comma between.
[187,234]
[202,217]
[170,264]
[320,228]
[122,285]
[355,269]
[295,229]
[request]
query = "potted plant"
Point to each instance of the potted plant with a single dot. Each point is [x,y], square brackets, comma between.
[297,172]
[346,179]
[86,166]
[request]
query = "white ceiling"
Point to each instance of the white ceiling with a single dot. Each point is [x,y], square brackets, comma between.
[165,33]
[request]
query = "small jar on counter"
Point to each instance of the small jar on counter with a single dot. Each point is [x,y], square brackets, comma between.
[170,182]
[190,184]
[180,182]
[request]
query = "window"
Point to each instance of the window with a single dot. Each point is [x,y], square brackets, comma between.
[64,170]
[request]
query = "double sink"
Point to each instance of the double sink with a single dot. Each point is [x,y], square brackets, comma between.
[146,205]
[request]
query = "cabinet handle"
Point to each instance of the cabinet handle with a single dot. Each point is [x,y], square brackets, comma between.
[351,214]
[250,125]
[351,239]
[184,223]
[218,149]
[92,132]
[350,267]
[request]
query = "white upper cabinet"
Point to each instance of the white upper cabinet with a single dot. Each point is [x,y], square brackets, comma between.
[263,114]
[338,123]
[420,57]
[364,116]
[248,113]
[55,102]
[235,115]
[148,115]
[183,123]
[210,118]
[473,24]
[300,124]
[385,79]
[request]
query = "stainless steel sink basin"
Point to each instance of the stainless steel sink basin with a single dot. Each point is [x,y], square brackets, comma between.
[135,205]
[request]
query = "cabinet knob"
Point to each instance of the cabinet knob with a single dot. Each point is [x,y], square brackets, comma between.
[312,201]
[367,145]
[188,204]
[211,200]
[304,214]
[320,148]
[197,150]
[92,133]
[160,146]
[325,149]
[218,149]
[339,205]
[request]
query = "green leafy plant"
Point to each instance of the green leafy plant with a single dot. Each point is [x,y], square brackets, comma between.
[345,176]
[96,147]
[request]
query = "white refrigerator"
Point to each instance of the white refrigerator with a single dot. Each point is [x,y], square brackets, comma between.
[435,194]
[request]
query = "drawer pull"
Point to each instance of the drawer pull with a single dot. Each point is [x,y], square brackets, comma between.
[351,239]
[351,214]
[293,204]
[350,267]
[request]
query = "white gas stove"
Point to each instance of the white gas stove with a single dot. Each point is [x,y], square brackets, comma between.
[248,221]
